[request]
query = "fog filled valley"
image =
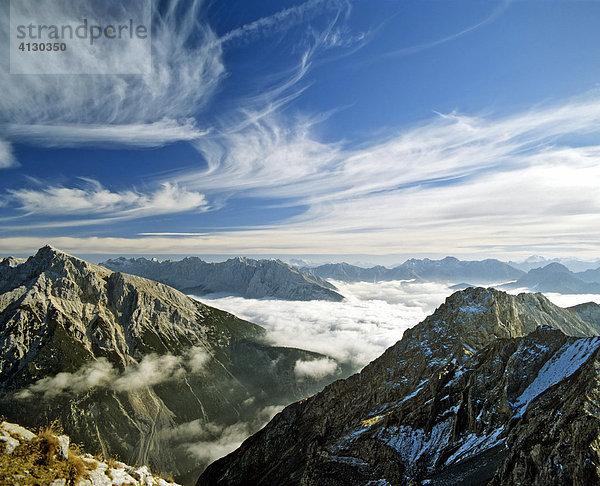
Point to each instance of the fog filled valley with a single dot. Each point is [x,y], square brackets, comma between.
[372,317]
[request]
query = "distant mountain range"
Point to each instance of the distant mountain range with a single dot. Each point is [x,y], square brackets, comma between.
[272,278]
[449,269]
[134,368]
[241,276]
[557,278]
[490,389]
[590,275]
[536,261]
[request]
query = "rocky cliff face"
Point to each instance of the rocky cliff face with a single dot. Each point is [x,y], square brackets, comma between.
[248,278]
[491,387]
[49,458]
[131,367]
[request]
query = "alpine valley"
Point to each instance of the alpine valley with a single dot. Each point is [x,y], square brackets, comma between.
[134,368]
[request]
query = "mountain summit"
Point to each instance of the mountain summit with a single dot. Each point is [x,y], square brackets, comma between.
[491,387]
[134,368]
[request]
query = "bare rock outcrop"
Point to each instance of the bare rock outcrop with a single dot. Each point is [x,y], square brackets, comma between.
[241,276]
[491,387]
[46,458]
[132,367]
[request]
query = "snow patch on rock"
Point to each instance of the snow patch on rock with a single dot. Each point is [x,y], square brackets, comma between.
[566,361]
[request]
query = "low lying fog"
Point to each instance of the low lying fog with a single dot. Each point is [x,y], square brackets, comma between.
[371,318]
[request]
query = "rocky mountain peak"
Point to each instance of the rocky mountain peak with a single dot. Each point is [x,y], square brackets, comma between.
[52,265]
[553,267]
[135,360]
[448,404]
[48,256]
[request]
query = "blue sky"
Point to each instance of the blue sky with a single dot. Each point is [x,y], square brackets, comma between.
[403,128]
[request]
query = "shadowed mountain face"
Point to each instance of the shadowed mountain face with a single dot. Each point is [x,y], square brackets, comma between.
[573,264]
[133,368]
[248,278]
[590,275]
[491,387]
[554,278]
[448,269]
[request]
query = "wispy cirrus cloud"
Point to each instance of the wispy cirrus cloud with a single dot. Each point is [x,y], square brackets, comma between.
[155,108]
[448,148]
[187,67]
[459,179]
[405,51]
[93,198]
[455,183]
[282,20]
[154,134]
[460,184]
[7,158]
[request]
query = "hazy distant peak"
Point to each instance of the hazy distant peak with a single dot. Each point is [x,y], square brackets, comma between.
[553,267]
[555,277]
[450,259]
[535,259]
[449,269]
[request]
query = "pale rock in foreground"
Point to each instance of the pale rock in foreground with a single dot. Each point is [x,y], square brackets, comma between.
[94,472]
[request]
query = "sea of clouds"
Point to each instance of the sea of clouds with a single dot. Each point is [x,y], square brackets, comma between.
[372,317]
[356,331]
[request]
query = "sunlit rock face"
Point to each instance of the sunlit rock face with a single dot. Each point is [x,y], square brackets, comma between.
[134,368]
[491,387]
[253,279]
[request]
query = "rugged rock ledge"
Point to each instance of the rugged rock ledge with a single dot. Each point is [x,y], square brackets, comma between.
[491,387]
[49,459]
[134,368]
